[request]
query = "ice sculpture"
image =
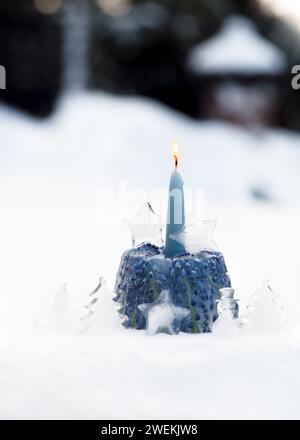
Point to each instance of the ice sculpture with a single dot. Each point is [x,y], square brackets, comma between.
[265,311]
[61,314]
[99,316]
[228,311]
[91,306]
[162,316]
[145,225]
[188,267]
[193,282]
[197,236]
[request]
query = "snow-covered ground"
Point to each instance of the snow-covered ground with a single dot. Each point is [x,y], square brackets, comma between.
[53,174]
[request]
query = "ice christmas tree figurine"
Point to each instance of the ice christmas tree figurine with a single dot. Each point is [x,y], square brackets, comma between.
[91,306]
[61,314]
[174,287]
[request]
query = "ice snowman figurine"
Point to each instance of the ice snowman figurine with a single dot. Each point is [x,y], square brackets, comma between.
[228,311]
[172,287]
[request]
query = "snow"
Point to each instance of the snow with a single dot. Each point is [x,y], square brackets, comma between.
[53,232]
[237,48]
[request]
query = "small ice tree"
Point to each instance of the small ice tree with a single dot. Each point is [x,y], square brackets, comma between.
[61,314]
[99,311]
[91,305]
[265,311]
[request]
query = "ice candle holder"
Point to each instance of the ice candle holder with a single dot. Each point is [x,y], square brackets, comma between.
[169,288]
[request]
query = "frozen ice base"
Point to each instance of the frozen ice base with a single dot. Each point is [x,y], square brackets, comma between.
[193,281]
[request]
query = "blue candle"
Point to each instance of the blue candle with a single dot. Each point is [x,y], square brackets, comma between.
[176,214]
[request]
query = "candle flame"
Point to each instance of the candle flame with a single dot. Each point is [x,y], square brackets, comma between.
[175,153]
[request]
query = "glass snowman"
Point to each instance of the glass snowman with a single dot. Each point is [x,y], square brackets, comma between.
[228,311]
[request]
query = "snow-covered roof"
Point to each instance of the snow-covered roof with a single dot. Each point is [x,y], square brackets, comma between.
[237,48]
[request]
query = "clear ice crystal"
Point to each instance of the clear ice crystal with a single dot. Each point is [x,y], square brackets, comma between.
[145,226]
[163,316]
[197,236]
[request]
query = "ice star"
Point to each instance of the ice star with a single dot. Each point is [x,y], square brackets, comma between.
[145,226]
[163,316]
[197,236]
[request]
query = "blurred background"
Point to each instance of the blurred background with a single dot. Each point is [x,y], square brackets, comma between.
[195,56]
